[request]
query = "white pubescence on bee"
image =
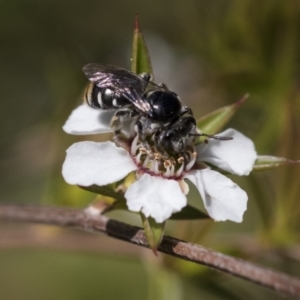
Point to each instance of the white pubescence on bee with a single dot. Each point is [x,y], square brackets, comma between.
[99,98]
[115,103]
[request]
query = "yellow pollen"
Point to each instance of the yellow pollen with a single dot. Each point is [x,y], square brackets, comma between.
[143,150]
[167,163]
[180,160]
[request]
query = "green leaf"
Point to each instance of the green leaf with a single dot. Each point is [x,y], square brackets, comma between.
[189,213]
[103,190]
[215,121]
[266,162]
[154,232]
[140,60]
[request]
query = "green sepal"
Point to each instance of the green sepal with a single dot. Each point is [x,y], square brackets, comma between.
[266,162]
[113,200]
[140,59]
[189,213]
[103,204]
[104,190]
[215,121]
[154,232]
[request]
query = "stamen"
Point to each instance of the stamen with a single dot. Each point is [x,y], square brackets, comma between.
[168,166]
[172,170]
[157,156]
[138,157]
[156,164]
[146,161]
[154,167]
[167,163]
[192,161]
[180,160]
[168,172]
[161,164]
[134,145]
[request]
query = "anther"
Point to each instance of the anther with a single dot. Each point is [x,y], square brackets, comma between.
[180,160]
[143,150]
[167,163]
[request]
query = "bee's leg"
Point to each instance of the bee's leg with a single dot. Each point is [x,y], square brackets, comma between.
[120,117]
[139,128]
[145,129]
[163,86]
[146,76]
[186,110]
[163,142]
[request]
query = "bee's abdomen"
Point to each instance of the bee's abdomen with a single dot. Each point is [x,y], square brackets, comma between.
[104,98]
[93,97]
[87,97]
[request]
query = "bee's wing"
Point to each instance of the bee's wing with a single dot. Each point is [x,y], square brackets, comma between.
[116,78]
[126,83]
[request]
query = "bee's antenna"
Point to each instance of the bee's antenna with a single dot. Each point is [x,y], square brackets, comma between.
[216,137]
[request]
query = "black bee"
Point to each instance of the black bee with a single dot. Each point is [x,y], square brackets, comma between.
[158,112]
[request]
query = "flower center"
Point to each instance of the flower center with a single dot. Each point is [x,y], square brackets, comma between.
[151,161]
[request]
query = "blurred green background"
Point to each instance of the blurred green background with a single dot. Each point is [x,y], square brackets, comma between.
[211,53]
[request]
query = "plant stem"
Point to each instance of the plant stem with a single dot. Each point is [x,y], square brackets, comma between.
[79,219]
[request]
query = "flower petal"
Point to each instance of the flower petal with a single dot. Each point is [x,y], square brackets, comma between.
[156,197]
[89,163]
[87,120]
[236,156]
[223,199]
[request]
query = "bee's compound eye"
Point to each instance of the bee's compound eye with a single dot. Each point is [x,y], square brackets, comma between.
[165,105]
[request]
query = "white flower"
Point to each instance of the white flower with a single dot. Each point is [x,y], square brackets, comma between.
[86,120]
[158,193]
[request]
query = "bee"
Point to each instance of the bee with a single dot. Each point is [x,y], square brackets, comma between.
[158,113]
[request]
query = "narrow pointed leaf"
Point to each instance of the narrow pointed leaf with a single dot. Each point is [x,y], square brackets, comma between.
[215,121]
[154,232]
[266,162]
[140,60]
[189,213]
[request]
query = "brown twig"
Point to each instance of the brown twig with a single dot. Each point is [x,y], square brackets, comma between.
[79,219]
[33,236]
